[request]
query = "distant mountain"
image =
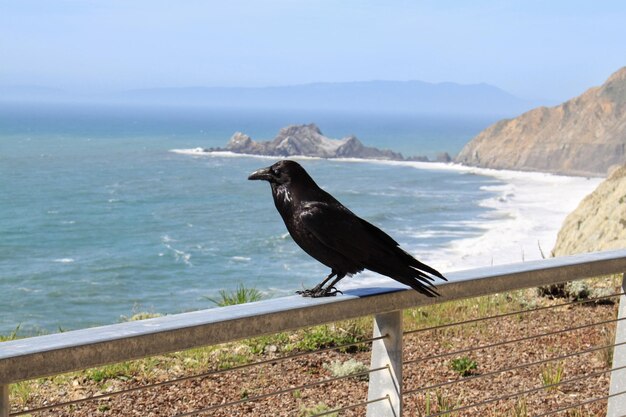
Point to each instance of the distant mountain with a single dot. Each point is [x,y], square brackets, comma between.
[414,97]
[30,93]
[374,96]
[583,136]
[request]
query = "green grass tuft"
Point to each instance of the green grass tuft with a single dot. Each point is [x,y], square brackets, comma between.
[240,295]
[317,409]
[552,374]
[463,366]
[10,336]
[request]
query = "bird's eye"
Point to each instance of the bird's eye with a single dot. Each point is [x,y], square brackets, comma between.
[275,171]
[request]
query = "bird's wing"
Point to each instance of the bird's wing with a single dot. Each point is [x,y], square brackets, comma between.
[338,228]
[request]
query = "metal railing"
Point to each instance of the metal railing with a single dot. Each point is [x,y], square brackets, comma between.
[43,356]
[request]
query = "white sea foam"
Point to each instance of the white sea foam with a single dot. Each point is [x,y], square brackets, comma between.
[179,255]
[166,239]
[241,259]
[533,206]
[29,290]
[529,209]
[228,154]
[185,257]
[192,151]
[64,260]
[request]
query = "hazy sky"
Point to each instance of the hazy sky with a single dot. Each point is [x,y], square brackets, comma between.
[552,49]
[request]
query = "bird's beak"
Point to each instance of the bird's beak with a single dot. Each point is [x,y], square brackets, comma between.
[261,174]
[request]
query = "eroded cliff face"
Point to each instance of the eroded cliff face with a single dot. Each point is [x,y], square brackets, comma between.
[599,221]
[583,136]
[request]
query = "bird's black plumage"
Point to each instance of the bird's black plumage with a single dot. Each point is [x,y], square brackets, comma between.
[335,236]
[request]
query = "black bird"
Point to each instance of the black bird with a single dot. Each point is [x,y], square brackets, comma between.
[335,236]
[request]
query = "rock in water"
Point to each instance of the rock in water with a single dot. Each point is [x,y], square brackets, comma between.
[307,140]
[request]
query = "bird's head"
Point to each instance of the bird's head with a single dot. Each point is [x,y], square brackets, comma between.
[282,172]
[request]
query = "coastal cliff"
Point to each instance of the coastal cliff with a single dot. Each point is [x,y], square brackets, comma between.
[583,136]
[599,221]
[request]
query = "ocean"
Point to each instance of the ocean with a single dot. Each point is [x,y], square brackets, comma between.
[105,211]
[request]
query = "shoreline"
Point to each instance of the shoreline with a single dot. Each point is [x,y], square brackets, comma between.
[434,165]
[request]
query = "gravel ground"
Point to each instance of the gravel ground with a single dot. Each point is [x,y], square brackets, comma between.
[429,353]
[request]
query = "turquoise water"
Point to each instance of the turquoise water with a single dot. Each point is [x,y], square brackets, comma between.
[99,219]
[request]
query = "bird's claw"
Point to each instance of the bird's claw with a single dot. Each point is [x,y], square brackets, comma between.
[319,292]
[332,291]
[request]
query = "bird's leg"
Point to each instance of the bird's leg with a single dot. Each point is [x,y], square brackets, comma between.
[331,290]
[318,290]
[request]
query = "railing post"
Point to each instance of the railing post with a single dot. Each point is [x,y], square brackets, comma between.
[5,408]
[617,404]
[386,352]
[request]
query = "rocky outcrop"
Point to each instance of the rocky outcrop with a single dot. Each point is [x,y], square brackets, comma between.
[599,221]
[583,136]
[307,140]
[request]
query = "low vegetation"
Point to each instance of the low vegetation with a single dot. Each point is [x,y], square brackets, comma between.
[552,375]
[463,366]
[10,336]
[351,367]
[316,410]
[240,295]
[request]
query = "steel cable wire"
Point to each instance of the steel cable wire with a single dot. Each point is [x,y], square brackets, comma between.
[280,392]
[508,342]
[499,316]
[196,376]
[529,391]
[512,368]
[350,407]
[591,401]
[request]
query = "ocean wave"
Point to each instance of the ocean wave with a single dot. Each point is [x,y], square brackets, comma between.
[524,224]
[64,260]
[447,234]
[167,239]
[206,153]
[241,258]
[179,255]
[191,151]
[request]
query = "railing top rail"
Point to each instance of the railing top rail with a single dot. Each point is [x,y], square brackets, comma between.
[65,352]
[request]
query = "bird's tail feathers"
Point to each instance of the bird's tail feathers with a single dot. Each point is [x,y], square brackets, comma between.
[419,276]
[423,267]
[412,276]
[401,266]
[420,284]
